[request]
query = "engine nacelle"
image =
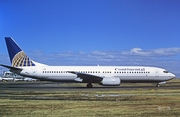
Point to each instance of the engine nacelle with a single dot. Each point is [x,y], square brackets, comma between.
[111,81]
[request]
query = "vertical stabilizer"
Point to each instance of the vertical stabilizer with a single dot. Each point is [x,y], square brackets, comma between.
[17,57]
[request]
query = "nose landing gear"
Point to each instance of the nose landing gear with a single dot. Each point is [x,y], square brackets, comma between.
[157,85]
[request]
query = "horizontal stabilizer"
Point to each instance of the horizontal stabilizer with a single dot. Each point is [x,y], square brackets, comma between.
[12,69]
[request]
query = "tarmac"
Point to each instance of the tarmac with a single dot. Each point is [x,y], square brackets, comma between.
[50,86]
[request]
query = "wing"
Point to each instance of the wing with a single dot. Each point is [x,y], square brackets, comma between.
[87,78]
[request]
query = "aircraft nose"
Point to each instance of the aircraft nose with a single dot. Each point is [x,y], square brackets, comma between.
[172,75]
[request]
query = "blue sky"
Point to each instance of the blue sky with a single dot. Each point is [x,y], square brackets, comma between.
[90,32]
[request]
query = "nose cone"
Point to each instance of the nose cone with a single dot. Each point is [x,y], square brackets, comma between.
[171,75]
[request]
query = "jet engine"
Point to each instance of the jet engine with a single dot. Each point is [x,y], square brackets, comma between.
[111,81]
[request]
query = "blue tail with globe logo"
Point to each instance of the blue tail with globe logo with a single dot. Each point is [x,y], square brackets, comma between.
[17,57]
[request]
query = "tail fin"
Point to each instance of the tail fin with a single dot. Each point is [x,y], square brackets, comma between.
[17,57]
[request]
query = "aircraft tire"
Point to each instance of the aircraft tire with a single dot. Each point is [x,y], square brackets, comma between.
[157,85]
[89,85]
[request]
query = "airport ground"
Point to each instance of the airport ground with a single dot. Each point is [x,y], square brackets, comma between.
[46,99]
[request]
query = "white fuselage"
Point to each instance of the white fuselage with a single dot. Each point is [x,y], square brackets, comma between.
[104,75]
[124,73]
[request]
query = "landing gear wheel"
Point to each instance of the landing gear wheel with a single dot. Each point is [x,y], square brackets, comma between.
[89,85]
[157,85]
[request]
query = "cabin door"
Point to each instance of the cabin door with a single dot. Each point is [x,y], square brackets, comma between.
[157,73]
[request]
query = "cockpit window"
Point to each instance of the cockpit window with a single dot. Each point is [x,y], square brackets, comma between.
[166,71]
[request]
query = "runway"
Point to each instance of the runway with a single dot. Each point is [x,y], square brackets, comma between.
[49,86]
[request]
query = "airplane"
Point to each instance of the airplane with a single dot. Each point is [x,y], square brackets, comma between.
[103,75]
[9,76]
[29,79]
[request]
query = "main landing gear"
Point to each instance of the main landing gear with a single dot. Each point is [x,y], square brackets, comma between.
[89,85]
